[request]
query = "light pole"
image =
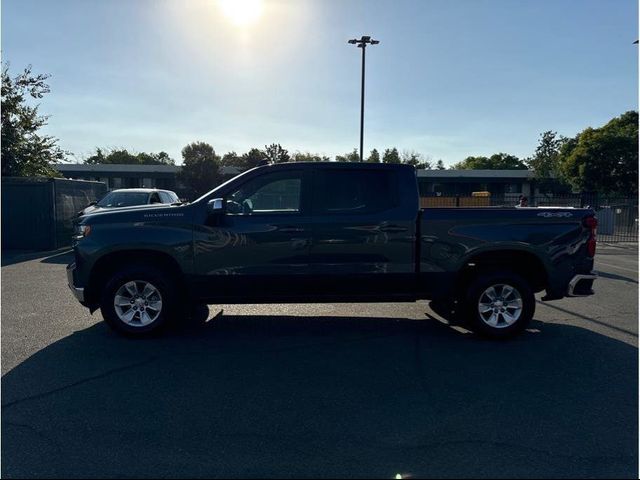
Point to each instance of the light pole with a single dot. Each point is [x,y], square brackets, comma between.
[362,43]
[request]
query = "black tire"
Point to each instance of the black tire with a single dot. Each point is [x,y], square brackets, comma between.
[144,274]
[504,327]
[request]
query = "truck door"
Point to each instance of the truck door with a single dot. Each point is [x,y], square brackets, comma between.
[259,246]
[363,232]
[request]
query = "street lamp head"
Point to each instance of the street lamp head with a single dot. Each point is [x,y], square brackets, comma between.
[363,41]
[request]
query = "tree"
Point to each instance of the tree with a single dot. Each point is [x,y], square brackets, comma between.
[391,156]
[25,151]
[352,156]
[374,156]
[546,159]
[276,154]
[253,158]
[497,161]
[123,156]
[200,168]
[411,157]
[440,165]
[309,157]
[604,159]
[231,159]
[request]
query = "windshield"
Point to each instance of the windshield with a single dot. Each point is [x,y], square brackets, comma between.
[123,199]
[222,185]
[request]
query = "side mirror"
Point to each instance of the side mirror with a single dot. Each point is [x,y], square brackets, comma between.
[92,204]
[215,206]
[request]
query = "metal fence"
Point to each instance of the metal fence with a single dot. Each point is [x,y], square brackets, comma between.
[38,213]
[617,216]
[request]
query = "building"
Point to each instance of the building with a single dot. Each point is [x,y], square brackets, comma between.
[464,182]
[446,183]
[132,176]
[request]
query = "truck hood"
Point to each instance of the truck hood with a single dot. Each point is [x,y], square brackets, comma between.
[135,213]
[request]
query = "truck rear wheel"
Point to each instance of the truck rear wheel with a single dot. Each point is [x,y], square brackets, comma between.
[499,304]
[138,300]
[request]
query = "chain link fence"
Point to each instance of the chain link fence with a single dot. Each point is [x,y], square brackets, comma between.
[617,215]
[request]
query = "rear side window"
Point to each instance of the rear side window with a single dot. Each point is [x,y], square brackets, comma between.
[357,192]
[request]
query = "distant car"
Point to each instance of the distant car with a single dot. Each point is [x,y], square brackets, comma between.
[129,197]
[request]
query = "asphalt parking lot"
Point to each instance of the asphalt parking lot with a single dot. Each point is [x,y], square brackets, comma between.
[319,390]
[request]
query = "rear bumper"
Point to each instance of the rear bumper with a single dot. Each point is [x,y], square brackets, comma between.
[77,292]
[581,285]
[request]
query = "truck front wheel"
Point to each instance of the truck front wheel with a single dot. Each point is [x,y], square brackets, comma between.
[499,304]
[138,300]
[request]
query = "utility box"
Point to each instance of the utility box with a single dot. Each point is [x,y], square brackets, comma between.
[606,220]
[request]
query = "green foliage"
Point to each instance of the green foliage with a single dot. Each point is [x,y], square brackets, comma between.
[231,159]
[122,156]
[411,157]
[276,154]
[352,156]
[374,156]
[309,157]
[604,159]
[440,165]
[497,161]
[25,152]
[546,159]
[391,155]
[200,168]
[253,158]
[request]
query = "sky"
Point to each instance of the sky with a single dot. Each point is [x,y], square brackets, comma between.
[449,79]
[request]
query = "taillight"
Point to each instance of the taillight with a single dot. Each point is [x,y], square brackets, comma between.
[592,224]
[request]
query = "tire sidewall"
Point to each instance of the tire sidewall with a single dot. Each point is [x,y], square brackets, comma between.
[157,278]
[477,288]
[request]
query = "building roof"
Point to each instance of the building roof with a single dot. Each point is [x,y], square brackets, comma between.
[119,168]
[129,168]
[520,174]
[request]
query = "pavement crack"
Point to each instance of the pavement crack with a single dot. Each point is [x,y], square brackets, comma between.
[77,383]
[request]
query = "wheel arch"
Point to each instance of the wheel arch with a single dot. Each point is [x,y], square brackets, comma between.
[522,262]
[109,263]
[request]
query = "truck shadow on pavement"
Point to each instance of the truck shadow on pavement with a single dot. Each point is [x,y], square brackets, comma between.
[289,396]
[62,256]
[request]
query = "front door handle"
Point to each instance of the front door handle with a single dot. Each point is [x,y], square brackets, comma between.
[393,229]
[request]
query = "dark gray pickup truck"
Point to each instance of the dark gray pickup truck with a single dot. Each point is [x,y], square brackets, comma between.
[329,232]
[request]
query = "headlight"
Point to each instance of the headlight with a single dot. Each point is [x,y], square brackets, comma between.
[82,231]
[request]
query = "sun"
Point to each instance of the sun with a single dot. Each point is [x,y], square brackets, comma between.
[241,12]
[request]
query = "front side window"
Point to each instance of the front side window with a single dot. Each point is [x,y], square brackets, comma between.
[271,193]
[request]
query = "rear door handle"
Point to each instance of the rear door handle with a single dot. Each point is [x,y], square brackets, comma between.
[290,229]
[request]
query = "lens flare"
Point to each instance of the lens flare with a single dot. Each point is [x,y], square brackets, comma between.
[241,12]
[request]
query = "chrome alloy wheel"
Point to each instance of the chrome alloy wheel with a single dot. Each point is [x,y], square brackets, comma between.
[138,303]
[500,306]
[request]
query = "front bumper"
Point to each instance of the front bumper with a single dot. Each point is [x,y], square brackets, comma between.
[77,292]
[581,285]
